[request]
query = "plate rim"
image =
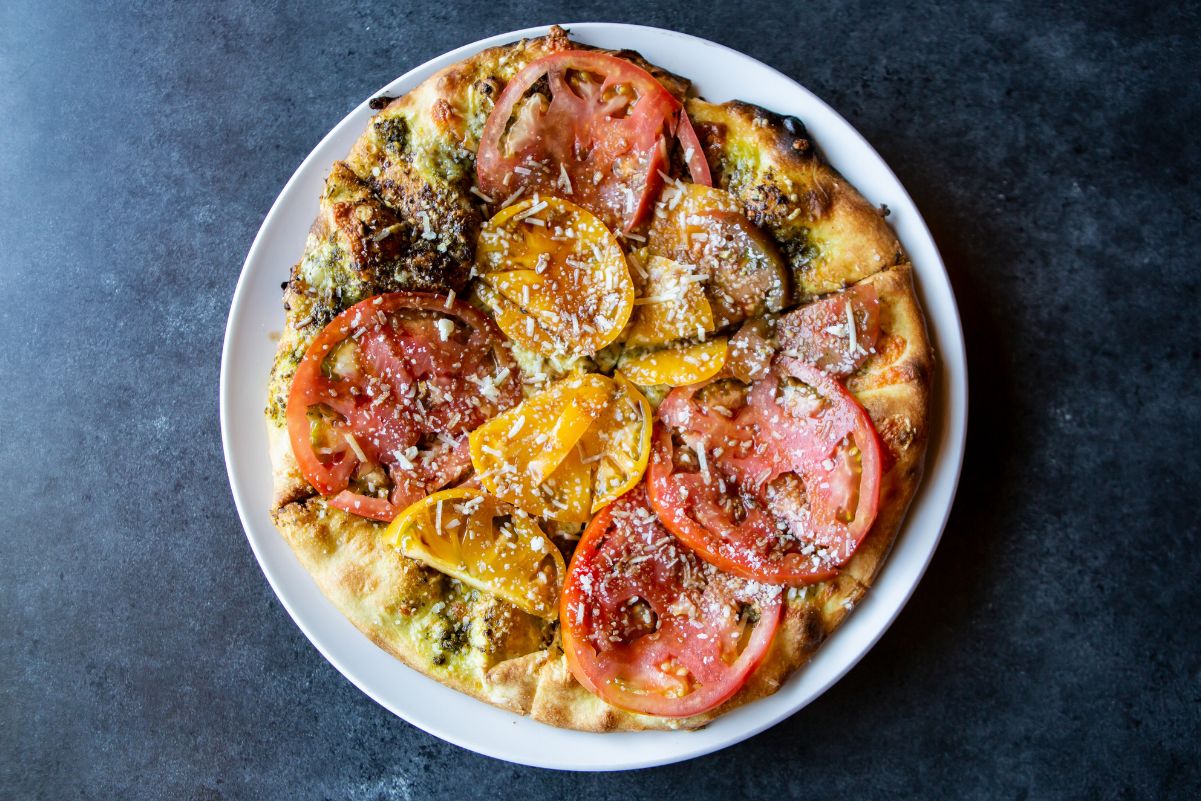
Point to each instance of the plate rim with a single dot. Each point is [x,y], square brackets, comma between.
[951,378]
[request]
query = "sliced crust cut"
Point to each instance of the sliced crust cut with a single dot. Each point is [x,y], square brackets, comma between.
[830,234]
[399,213]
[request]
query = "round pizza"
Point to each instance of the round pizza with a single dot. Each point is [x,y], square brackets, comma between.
[597,401]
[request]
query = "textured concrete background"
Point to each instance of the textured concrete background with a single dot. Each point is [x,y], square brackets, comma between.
[1051,651]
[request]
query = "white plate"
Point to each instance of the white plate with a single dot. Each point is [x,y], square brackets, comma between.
[719,74]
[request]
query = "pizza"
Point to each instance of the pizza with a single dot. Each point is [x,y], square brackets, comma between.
[597,401]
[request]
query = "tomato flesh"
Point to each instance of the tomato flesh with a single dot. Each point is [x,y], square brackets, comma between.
[836,333]
[745,273]
[777,481]
[484,543]
[385,395]
[552,292]
[650,627]
[600,138]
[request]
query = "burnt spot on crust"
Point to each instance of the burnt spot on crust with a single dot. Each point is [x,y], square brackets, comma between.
[294,493]
[488,87]
[812,627]
[380,101]
[793,127]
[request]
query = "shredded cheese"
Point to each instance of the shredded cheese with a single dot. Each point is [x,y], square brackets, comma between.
[354,446]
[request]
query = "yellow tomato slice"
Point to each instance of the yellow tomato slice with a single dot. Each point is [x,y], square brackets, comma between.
[676,225]
[676,365]
[568,450]
[561,273]
[484,543]
[704,226]
[528,455]
[509,317]
[622,440]
[565,432]
[618,444]
[671,305]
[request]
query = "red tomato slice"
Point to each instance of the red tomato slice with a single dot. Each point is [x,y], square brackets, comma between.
[694,154]
[587,126]
[650,627]
[778,481]
[387,392]
[835,333]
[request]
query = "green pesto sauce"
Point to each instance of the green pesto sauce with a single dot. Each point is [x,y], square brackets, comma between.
[328,277]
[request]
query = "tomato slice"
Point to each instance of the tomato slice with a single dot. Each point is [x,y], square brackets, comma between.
[835,333]
[650,627]
[694,153]
[778,481]
[486,544]
[675,365]
[555,277]
[751,350]
[568,449]
[589,126]
[618,443]
[385,394]
[671,305]
[745,274]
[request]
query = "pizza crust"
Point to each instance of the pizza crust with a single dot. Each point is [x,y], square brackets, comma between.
[830,234]
[474,642]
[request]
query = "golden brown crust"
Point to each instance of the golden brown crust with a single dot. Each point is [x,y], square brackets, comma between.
[894,385]
[427,620]
[830,234]
[417,156]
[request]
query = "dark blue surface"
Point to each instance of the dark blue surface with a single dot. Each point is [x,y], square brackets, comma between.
[1051,651]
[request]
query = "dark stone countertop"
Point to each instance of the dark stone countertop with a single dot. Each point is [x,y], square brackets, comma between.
[1052,649]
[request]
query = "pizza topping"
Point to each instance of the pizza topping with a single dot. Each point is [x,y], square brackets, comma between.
[675,365]
[751,351]
[835,333]
[652,628]
[665,343]
[670,305]
[589,125]
[486,544]
[618,443]
[761,468]
[745,274]
[694,154]
[776,481]
[561,286]
[567,450]
[385,394]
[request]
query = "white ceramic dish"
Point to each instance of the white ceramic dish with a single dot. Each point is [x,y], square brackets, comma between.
[719,74]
